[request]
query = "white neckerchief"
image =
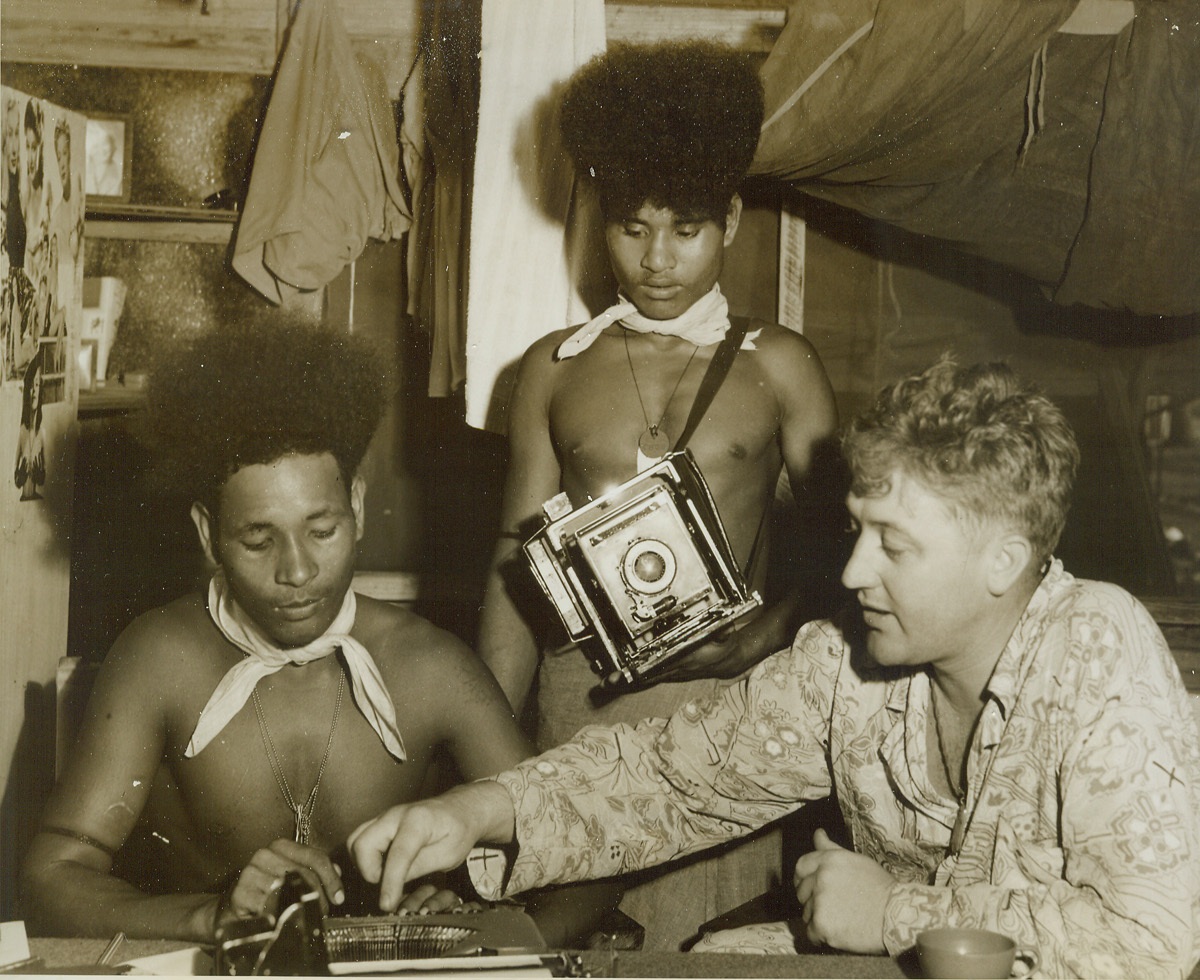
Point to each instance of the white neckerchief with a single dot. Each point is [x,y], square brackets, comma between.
[705,322]
[264,658]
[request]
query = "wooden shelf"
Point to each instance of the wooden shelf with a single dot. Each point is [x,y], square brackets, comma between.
[245,36]
[160,224]
[112,397]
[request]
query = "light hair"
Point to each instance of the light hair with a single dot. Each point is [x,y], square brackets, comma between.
[994,447]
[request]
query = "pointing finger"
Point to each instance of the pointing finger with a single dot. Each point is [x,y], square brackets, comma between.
[369,843]
[400,857]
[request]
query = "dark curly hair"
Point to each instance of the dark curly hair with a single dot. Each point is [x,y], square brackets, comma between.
[674,125]
[31,418]
[227,398]
[995,447]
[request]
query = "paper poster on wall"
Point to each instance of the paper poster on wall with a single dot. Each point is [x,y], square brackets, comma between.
[790,306]
[41,277]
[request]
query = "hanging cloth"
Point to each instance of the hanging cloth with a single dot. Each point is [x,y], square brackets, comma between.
[520,282]
[437,133]
[326,173]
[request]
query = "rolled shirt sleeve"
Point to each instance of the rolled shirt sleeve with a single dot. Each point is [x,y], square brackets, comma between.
[621,798]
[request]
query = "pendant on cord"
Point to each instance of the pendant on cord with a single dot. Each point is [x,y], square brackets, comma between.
[303,825]
[653,445]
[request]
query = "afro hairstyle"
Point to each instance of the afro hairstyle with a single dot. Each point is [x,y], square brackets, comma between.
[674,125]
[226,398]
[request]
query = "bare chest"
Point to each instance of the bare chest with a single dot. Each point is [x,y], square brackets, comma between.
[948,737]
[604,408]
[296,775]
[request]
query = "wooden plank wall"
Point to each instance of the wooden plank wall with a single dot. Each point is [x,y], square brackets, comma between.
[213,35]
[245,35]
[1179,620]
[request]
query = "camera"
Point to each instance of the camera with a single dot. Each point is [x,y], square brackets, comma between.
[643,572]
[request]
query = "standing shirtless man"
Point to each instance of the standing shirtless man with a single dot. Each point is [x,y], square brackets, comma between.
[665,134]
[243,731]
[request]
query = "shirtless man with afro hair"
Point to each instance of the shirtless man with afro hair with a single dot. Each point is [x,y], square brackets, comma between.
[664,135]
[245,730]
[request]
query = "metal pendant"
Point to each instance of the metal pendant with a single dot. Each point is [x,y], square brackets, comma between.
[653,443]
[303,826]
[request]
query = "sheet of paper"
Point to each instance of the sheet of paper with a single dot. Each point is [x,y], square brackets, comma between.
[527,973]
[447,967]
[190,962]
[14,945]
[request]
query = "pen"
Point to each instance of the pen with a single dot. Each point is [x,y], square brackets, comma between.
[110,950]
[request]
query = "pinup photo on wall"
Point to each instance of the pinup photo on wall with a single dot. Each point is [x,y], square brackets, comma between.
[107,158]
[41,212]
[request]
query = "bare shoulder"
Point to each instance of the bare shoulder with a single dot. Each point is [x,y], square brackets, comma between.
[796,375]
[536,374]
[787,351]
[540,362]
[540,376]
[409,648]
[169,643]
[544,349]
[166,663]
[443,692]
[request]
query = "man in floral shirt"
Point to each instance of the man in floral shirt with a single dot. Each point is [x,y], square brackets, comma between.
[1012,748]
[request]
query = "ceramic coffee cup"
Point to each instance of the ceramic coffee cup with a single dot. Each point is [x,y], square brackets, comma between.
[972,954]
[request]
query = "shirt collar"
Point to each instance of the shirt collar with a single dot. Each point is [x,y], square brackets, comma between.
[1016,659]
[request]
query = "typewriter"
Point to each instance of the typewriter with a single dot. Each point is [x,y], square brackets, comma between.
[300,941]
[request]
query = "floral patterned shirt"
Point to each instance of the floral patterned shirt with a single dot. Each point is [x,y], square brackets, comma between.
[1083,830]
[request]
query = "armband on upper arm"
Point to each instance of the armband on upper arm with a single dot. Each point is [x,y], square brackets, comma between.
[81,838]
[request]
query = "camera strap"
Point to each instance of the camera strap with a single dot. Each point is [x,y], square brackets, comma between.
[718,367]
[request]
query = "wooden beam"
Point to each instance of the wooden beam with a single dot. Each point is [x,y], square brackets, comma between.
[243,36]
[751,27]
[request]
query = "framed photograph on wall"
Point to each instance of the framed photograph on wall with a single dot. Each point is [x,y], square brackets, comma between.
[109,151]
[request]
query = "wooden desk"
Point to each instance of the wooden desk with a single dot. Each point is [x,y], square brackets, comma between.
[748,965]
[76,955]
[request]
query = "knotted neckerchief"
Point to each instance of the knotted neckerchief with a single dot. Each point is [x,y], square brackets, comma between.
[264,658]
[705,322]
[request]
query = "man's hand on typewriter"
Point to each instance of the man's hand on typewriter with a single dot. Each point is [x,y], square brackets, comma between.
[429,899]
[256,891]
[415,839]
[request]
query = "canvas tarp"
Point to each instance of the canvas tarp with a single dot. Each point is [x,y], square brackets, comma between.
[1058,138]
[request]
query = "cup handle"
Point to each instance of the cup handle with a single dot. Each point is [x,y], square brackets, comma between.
[1025,961]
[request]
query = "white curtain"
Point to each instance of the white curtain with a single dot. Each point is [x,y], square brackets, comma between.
[529,265]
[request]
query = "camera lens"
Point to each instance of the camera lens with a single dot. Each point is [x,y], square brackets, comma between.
[649,566]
